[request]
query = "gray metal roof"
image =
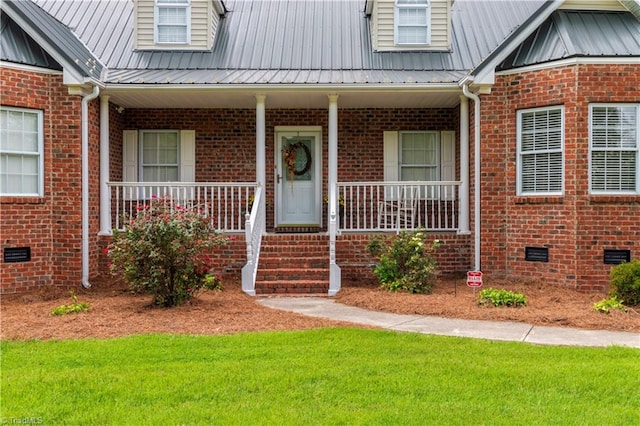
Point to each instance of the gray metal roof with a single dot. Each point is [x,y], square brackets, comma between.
[570,33]
[289,41]
[18,47]
[275,42]
[62,42]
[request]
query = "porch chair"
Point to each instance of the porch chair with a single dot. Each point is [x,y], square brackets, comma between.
[398,212]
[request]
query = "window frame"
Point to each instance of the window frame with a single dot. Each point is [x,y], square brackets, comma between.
[172,4]
[424,5]
[592,149]
[142,165]
[521,154]
[438,161]
[39,154]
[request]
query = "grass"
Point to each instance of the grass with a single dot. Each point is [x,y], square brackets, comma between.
[328,376]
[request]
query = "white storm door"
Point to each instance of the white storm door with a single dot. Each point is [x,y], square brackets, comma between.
[298,178]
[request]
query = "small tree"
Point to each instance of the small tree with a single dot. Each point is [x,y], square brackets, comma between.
[164,251]
[405,262]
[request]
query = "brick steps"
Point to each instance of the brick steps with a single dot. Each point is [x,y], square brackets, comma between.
[293,264]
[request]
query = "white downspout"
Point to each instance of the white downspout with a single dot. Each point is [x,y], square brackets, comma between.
[476,181]
[85,184]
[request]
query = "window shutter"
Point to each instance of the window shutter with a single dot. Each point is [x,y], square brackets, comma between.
[447,162]
[187,156]
[390,156]
[130,156]
[130,161]
[391,172]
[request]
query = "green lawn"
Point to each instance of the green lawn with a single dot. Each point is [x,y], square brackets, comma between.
[328,376]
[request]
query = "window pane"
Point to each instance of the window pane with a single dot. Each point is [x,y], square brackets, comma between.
[172,16]
[418,174]
[167,34]
[613,171]
[412,35]
[614,127]
[419,149]
[409,16]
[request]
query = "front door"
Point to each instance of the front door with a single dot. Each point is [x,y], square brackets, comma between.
[298,177]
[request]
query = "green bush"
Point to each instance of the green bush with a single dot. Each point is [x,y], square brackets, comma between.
[606,305]
[164,251]
[625,282]
[405,263]
[73,308]
[501,298]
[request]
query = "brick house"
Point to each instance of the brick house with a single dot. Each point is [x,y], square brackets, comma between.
[107,103]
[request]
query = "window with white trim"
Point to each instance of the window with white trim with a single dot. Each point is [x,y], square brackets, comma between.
[614,144]
[172,21]
[419,156]
[21,152]
[540,159]
[159,156]
[412,22]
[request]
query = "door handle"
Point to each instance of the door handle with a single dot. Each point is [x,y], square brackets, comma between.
[279,177]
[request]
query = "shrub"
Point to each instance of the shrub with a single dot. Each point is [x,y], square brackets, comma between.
[73,308]
[405,263]
[163,252]
[606,305]
[501,298]
[625,282]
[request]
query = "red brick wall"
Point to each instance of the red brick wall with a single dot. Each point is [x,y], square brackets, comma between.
[51,224]
[356,264]
[576,227]
[225,139]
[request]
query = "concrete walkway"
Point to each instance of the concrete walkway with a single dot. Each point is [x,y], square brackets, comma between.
[493,330]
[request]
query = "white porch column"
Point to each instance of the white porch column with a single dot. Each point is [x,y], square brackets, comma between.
[261,164]
[105,196]
[334,269]
[260,140]
[463,204]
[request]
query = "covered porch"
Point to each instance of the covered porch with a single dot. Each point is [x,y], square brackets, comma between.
[344,200]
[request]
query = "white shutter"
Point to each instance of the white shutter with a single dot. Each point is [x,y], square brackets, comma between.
[391,172]
[130,161]
[130,156]
[447,162]
[187,156]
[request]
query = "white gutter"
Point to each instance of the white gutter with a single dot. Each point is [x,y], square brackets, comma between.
[279,87]
[85,184]
[476,177]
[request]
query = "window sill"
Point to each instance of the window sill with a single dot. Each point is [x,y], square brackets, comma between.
[550,199]
[13,199]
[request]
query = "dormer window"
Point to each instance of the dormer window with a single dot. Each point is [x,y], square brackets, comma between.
[172,21]
[412,22]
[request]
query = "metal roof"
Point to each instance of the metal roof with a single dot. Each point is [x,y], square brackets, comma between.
[569,33]
[18,47]
[290,41]
[48,32]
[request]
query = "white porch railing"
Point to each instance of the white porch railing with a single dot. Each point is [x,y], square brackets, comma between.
[225,203]
[396,206]
[254,229]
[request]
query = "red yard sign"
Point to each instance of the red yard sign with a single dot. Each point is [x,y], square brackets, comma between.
[474,279]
